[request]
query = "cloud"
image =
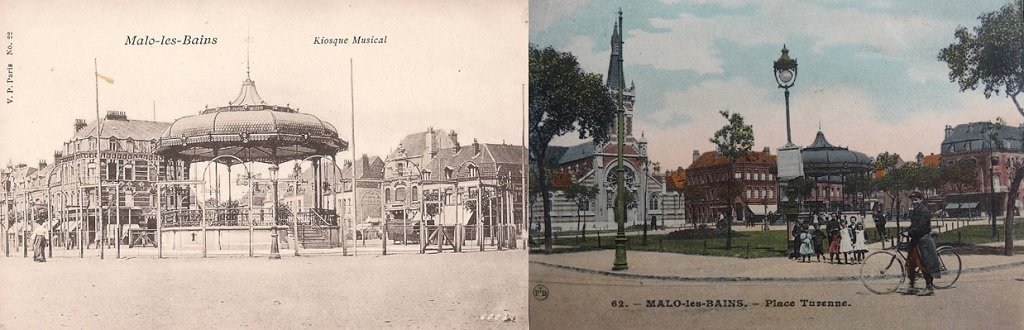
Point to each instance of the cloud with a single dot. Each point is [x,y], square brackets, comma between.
[544,13]
[590,59]
[848,117]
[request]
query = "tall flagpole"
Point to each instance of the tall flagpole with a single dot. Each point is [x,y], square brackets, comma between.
[99,186]
[352,145]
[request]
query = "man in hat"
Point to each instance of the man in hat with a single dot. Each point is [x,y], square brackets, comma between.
[922,247]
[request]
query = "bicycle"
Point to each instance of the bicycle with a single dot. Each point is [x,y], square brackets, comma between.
[884,271]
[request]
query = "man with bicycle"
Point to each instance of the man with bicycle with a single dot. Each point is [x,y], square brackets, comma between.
[922,246]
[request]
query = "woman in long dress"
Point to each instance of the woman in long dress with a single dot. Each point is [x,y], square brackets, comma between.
[39,242]
[845,241]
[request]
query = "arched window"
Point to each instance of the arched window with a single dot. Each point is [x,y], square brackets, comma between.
[387,195]
[653,202]
[400,194]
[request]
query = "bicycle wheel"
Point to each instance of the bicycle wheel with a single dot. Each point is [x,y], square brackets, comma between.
[949,267]
[882,272]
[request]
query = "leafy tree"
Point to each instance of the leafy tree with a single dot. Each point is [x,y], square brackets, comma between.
[858,184]
[430,206]
[563,99]
[890,181]
[581,195]
[485,207]
[992,56]
[800,189]
[960,175]
[733,141]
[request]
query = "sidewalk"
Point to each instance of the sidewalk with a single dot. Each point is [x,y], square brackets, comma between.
[682,267]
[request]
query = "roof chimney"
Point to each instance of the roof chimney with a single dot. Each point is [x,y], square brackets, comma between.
[79,124]
[56,156]
[42,164]
[696,154]
[429,141]
[767,150]
[476,147]
[117,115]
[455,141]
[949,130]
[920,158]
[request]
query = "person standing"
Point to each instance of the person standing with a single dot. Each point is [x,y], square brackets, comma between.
[39,233]
[846,241]
[922,247]
[860,247]
[880,225]
[805,245]
[817,238]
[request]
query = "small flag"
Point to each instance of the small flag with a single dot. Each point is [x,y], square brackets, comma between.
[109,80]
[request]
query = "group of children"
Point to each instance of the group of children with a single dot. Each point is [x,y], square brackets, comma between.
[845,236]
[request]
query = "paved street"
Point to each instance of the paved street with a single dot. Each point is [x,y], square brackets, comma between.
[986,296]
[399,291]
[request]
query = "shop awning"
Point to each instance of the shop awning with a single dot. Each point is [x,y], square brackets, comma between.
[952,206]
[762,209]
[969,206]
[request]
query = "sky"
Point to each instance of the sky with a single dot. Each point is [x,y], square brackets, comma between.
[868,74]
[448,65]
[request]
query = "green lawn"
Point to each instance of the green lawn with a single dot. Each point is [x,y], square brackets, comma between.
[760,244]
[744,244]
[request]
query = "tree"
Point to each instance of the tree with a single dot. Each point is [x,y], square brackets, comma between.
[890,181]
[992,56]
[800,189]
[430,203]
[563,99]
[581,195]
[733,141]
[960,175]
[858,185]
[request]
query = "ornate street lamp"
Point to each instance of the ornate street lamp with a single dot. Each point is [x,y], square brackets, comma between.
[785,76]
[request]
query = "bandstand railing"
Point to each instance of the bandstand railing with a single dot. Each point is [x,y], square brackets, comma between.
[175,218]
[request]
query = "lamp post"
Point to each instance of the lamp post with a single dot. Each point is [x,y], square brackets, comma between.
[785,71]
[785,76]
[275,250]
[620,196]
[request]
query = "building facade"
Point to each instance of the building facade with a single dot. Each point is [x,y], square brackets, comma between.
[996,151]
[711,174]
[117,173]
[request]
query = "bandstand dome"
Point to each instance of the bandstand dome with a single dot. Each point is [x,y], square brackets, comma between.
[251,130]
[824,161]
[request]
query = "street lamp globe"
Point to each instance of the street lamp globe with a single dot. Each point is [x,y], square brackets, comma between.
[785,69]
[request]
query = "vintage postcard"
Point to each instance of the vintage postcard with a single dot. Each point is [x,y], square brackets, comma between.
[776,164]
[239,164]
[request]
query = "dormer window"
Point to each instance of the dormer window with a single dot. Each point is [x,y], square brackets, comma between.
[448,173]
[474,171]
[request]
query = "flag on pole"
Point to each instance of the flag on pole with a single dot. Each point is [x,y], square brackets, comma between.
[109,80]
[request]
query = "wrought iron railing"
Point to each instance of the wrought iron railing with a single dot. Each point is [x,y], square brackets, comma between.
[217,217]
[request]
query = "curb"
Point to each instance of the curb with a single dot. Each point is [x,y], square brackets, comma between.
[719,279]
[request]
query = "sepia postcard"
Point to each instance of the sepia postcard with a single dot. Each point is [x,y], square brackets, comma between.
[776,164]
[263,164]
